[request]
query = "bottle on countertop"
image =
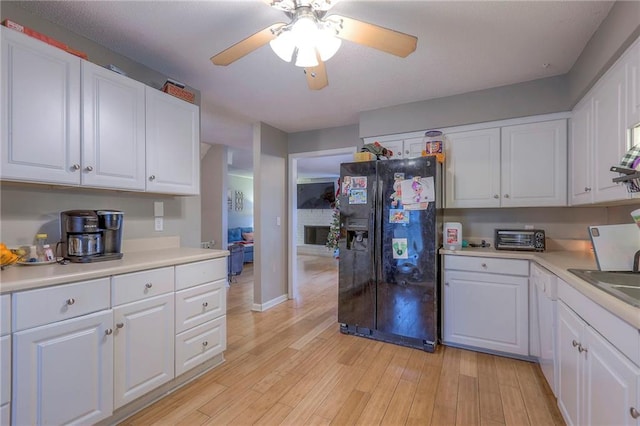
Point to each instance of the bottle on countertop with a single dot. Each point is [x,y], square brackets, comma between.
[44,253]
[452,235]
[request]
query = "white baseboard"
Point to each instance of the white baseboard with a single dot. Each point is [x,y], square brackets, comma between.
[257,307]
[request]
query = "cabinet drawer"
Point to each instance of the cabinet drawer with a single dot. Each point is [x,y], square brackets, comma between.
[487,264]
[195,346]
[141,285]
[197,305]
[5,314]
[46,305]
[192,274]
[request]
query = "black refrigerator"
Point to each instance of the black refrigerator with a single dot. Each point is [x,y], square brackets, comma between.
[390,233]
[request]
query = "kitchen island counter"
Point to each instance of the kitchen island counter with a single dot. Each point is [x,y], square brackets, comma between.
[558,262]
[21,277]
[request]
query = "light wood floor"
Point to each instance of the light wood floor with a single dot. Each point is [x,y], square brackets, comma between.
[291,365]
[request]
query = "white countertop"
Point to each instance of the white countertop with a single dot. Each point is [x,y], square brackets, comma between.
[19,277]
[558,262]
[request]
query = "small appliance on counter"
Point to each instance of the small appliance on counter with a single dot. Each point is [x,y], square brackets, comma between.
[520,239]
[91,235]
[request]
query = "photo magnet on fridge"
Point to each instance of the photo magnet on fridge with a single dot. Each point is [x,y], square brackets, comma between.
[398,216]
[358,196]
[400,248]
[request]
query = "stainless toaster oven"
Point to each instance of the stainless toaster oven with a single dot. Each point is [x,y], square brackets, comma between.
[520,239]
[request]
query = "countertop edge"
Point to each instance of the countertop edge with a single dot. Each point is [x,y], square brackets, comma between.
[558,262]
[18,278]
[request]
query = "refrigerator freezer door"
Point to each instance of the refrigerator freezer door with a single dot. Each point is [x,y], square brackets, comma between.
[407,271]
[356,287]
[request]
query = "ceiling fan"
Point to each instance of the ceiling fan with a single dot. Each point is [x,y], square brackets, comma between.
[312,37]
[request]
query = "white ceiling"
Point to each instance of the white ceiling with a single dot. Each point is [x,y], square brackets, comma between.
[463,46]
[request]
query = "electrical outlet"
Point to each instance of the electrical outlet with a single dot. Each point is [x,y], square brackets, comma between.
[208,244]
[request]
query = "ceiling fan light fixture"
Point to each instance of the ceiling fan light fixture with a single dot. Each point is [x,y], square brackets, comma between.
[283,46]
[306,57]
[327,45]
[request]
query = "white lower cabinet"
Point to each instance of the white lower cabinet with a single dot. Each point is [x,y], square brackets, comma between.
[597,384]
[143,351]
[63,372]
[5,379]
[485,304]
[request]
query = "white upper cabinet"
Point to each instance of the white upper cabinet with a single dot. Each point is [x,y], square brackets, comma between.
[173,144]
[523,165]
[40,111]
[113,129]
[472,172]
[534,164]
[600,131]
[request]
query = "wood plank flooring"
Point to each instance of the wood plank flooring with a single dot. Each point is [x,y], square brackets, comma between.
[291,365]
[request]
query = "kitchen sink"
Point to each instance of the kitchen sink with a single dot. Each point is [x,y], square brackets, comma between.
[623,285]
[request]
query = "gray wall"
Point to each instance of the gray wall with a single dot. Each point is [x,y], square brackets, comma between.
[270,203]
[26,209]
[324,139]
[213,193]
[242,217]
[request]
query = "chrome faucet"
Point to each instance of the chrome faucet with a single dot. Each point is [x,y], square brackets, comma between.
[636,262]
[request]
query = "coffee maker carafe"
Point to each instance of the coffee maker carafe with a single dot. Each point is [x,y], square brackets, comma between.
[91,235]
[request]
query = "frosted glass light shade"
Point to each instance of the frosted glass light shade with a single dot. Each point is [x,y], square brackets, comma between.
[306,57]
[283,46]
[327,45]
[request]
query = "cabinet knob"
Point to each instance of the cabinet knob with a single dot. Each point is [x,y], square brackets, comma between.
[71,301]
[506,195]
[634,413]
[75,167]
[148,285]
[108,331]
[484,265]
[587,189]
[205,343]
[152,177]
[496,196]
[89,168]
[119,325]
[575,343]
[582,349]
[205,304]
[446,283]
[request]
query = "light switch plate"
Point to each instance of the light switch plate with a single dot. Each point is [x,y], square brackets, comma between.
[158,208]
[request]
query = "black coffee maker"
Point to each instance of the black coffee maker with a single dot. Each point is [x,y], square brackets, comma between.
[91,235]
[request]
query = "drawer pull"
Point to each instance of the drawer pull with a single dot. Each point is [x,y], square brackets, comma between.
[205,343]
[575,343]
[108,331]
[205,304]
[634,413]
[582,349]
[71,301]
[148,285]
[484,265]
[119,325]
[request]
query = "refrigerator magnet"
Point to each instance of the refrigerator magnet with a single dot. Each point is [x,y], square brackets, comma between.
[398,216]
[359,182]
[358,196]
[346,185]
[400,247]
[417,192]
[396,196]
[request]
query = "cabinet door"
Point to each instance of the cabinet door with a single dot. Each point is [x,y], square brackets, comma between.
[486,311]
[113,144]
[40,111]
[610,383]
[63,372]
[5,369]
[144,347]
[472,174]
[173,144]
[609,134]
[413,147]
[632,64]
[570,380]
[397,147]
[534,164]
[580,154]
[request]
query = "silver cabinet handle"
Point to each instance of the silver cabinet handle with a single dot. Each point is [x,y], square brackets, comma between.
[119,325]
[446,283]
[634,413]
[108,331]
[582,349]
[506,195]
[205,343]
[205,304]
[496,196]
[152,177]
[89,168]
[484,265]
[575,343]
[75,167]
[148,285]
[587,189]
[71,301]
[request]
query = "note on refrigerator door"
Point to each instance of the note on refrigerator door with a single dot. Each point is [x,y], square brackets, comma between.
[400,248]
[418,192]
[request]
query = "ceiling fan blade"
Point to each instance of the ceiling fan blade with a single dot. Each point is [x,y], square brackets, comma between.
[317,76]
[390,41]
[246,46]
